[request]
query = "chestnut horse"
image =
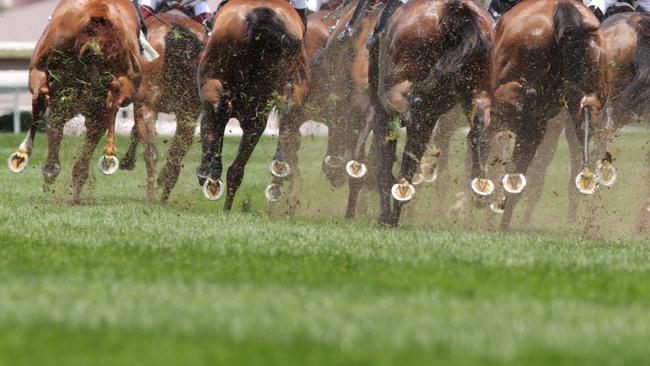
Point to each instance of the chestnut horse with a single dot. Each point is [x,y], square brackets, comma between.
[431,56]
[254,62]
[86,62]
[168,85]
[548,54]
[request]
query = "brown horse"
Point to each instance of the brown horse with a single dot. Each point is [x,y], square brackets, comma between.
[319,28]
[627,37]
[168,85]
[432,56]
[548,54]
[345,94]
[86,62]
[624,37]
[254,62]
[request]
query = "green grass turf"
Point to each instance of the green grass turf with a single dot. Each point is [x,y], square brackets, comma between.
[115,281]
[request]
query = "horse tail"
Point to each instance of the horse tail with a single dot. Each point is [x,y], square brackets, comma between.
[182,51]
[572,37]
[636,96]
[267,32]
[462,42]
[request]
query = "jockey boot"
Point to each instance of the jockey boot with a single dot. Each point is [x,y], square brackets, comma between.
[389,9]
[303,16]
[597,12]
[347,31]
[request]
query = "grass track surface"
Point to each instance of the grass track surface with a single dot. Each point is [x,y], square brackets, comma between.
[116,282]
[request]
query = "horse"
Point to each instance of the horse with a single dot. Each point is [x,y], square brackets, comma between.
[254,63]
[87,61]
[319,29]
[169,86]
[627,39]
[547,54]
[347,108]
[431,57]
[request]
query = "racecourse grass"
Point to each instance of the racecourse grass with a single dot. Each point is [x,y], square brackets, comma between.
[115,281]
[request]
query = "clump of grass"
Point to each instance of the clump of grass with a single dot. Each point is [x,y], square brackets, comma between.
[95,48]
[394,127]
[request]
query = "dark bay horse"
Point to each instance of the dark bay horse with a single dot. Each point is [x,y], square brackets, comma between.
[548,55]
[254,62]
[86,62]
[168,85]
[432,56]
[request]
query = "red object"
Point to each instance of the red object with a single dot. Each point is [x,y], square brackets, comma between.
[146,11]
[201,18]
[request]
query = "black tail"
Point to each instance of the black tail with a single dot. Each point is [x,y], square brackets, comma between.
[461,44]
[182,51]
[266,31]
[636,97]
[572,37]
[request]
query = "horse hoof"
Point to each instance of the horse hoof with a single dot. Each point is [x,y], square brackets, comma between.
[429,172]
[50,172]
[212,189]
[606,173]
[279,169]
[482,186]
[403,191]
[417,179]
[587,182]
[127,164]
[514,183]
[498,207]
[108,164]
[17,162]
[273,192]
[356,169]
[333,162]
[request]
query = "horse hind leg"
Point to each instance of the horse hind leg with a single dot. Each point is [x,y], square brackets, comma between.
[128,160]
[81,168]
[418,134]
[52,166]
[235,173]
[540,164]
[644,214]
[146,130]
[526,145]
[181,143]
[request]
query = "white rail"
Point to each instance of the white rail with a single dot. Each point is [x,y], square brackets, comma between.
[14,81]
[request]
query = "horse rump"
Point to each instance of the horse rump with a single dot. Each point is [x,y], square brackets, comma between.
[572,37]
[100,42]
[266,28]
[461,43]
[182,52]
[636,96]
